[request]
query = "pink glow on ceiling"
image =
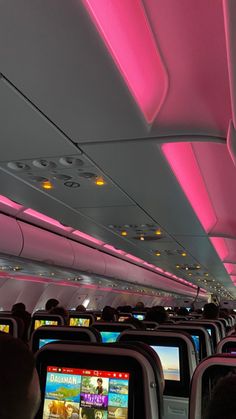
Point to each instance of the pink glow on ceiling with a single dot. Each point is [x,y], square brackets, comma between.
[113,249]
[230,268]
[5,201]
[125,30]
[233,279]
[220,247]
[181,158]
[45,219]
[133,258]
[88,237]
[159,269]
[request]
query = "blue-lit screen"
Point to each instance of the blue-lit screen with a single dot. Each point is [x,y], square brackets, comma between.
[43,342]
[109,337]
[139,316]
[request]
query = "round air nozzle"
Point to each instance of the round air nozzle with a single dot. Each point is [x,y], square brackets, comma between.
[71,162]
[18,166]
[44,164]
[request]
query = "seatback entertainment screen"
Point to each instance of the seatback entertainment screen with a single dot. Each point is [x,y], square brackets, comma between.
[109,337]
[44,322]
[82,393]
[169,357]
[5,328]
[79,321]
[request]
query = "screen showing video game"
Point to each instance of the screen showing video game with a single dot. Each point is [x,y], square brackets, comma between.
[169,357]
[139,316]
[109,337]
[79,321]
[43,342]
[44,322]
[81,393]
[5,328]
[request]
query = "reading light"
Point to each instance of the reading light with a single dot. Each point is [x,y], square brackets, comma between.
[206,274]
[183,254]
[99,181]
[47,185]
[158,253]
[124,233]
[142,238]
[198,267]
[177,266]
[158,232]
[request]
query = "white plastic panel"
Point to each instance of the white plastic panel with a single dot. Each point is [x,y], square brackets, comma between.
[45,246]
[87,259]
[11,240]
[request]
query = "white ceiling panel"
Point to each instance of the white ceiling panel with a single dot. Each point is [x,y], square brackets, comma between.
[24,132]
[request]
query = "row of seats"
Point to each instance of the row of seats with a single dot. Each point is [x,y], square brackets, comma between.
[178,346]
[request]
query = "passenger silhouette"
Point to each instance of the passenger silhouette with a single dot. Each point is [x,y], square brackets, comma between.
[52,302]
[223,402]
[19,384]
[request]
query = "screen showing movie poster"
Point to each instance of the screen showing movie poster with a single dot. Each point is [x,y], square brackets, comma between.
[85,394]
[44,322]
[79,321]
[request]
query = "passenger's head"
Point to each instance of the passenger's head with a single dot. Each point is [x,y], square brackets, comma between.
[139,306]
[157,314]
[182,311]
[19,384]
[210,311]
[52,302]
[18,307]
[81,308]
[108,314]
[223,402]
[60,311]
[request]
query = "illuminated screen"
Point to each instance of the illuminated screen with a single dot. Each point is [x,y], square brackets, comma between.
[232,351]
[79,321]
[4,328]
[169,357]
[196,343]
[43,342]
[139,316]
[78,393]
[109,337]
[44,322]
[123,318]
[209,331]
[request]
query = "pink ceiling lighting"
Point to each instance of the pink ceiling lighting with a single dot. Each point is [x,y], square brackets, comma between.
[182,160]
[125,30]
[45,219]
[113,249]
[206,172]
[9,204]
[87,237]
[230,268]
[220,247]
